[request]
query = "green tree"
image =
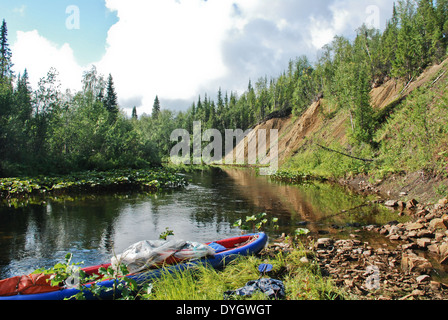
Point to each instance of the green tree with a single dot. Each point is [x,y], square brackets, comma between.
[306,88]
[410,55]
[111,100]
[442,21]
[23,99]
[47,104]
[387,51]
[426,20]
[5,54]
[6,102]
[156,108]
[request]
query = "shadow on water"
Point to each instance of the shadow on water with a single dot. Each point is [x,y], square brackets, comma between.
[95,227]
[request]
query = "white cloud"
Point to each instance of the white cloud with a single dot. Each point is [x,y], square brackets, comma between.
[165,47]
[35,53]
[178,49]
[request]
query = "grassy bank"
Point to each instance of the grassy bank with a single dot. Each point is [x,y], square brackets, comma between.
[302,280]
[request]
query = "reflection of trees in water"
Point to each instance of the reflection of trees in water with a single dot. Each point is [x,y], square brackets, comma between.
[41,231]
[312,202]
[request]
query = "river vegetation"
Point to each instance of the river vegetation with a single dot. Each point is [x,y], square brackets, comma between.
[92,181]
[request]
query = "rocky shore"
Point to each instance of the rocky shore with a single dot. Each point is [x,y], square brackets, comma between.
[405,268]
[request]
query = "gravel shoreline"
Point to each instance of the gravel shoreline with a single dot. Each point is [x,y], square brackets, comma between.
[404,270]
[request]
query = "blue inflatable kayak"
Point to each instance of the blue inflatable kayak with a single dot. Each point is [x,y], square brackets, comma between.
[227,250]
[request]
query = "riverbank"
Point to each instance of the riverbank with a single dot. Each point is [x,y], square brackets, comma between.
[403,187]
[410,265]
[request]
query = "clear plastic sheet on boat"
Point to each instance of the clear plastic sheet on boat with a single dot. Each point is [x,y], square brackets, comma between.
[146,254]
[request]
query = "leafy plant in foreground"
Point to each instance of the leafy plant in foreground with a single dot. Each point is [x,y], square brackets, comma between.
[256,222]
[71,275]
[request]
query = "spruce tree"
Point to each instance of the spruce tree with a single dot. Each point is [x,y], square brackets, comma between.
[111,101]
[134,113]
[156,108]
[389,44]
[5,54]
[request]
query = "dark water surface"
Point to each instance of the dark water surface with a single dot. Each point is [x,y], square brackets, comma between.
[94,227]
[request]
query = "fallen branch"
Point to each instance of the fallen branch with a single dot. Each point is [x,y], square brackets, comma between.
[407,85]
[438,78]
[344,154]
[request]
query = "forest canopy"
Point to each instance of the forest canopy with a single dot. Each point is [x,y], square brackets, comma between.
[45,130]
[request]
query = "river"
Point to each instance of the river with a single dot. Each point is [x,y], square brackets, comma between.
[95,227]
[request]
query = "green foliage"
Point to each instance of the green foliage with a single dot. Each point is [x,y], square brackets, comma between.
[295,176]
[123,288]
[256,222]
[61,271]
[89,181]
[164,235]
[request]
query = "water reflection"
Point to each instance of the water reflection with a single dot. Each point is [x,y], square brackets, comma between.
[94,227]
[321,207]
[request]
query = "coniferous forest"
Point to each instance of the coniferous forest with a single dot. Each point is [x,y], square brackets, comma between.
[44,130]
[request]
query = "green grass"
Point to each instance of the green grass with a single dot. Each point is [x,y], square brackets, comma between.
[303,281]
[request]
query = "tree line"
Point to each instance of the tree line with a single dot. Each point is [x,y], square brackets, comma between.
[45,130]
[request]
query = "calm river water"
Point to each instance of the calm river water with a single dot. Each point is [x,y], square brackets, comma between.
[95,227]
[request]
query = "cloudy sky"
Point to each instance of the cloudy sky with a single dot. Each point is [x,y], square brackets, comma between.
[176,49]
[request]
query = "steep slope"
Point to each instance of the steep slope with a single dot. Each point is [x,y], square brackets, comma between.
[299,136]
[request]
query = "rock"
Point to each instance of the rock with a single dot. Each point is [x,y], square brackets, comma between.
[417,292]
[439,223]
[423,242]
[304,260]
[425,233]
[411,204]
[434,285]
[443,201]
[323,242]
[409,246]
[414,226]
[444,260]
[433,248]
[423,278]
[443,249]
[422,213]
[391,203]
[395,237]
[410,262]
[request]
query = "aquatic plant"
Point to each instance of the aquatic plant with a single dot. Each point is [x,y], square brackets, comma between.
[256,222]
[93,181]
[296,177]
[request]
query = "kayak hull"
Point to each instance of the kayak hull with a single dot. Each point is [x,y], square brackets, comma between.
[254,244]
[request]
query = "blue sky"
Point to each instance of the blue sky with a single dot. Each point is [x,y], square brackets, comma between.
[177,49]
[49,18]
